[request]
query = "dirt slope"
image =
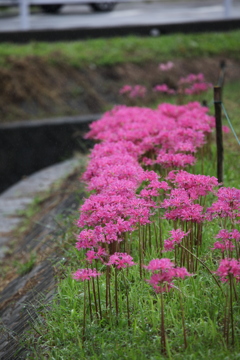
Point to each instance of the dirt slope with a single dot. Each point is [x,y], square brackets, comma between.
[32,88]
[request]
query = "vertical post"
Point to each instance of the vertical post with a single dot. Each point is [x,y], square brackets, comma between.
[227,8]
[222,73]
[219,139]
[24,14]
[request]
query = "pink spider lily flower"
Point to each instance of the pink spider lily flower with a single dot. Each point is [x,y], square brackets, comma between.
[225,129]
[85,274]
[166,66]
[175,160]
[90,256]
[226,245]
[197,88]
[164,89]
[191,78]
[176,238]
[227,268]
[159,264]
[227,205]
[94,255]
[190,213]
[177,198]
[164,272]
[235,235]
[196,84]
[125,89]
[138,91]
[120,260]
[223,234]
[154,187]
[147,161]
[200,185]
[88,238]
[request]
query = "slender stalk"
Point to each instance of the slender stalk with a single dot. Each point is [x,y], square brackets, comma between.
[95,298]
[156,236]
[149,235]
[99,298]
[109,290]
[84,313]
[140,250]
[226,321]
[183,322]
[143,240]
[89,299]
[206,267]
[107,287]
[235,290]
[231,307]
[160,232]
[196,263]
[116,292]
[163,334]
[127,298]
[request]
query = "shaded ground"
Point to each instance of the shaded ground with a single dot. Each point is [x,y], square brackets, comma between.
[22,293]
[33,88]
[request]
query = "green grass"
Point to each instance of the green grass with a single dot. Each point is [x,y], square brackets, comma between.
[24,268]
[128,49]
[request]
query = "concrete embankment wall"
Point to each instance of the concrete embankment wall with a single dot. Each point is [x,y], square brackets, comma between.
[26,147]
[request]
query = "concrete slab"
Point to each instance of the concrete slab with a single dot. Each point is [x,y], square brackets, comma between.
[20,195]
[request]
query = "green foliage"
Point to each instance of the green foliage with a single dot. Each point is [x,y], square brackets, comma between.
[128,49]
[25,267]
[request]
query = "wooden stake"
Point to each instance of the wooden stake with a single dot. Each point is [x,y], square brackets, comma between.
[219,140]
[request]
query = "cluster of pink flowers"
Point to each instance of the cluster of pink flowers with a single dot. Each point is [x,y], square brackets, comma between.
[136,91]
[85,274]
[228,240]
[176,238]
[193,84]
[114,172]
[98,254]
[191,78]
[181,202]
[166,131]
[227,205]
[164,272]
[168,136]
[229,268]
[120,260]
[195,185]
[164,88]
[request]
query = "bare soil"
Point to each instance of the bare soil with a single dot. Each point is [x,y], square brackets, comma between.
[32,88]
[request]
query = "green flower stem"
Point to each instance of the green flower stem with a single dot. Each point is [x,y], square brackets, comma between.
[163,334]
[116,292]
[206,267]
[89,300]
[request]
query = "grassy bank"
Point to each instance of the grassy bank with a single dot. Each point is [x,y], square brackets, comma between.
[129,49]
